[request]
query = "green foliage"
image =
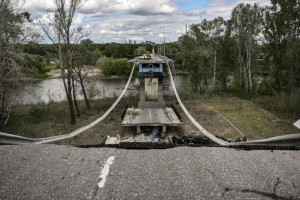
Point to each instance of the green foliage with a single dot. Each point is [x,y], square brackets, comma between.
[40,111]
[34,49]
[265,87]
[115,50]
[119,67]
[284,103]
[140,50]
[281,32]
[40,68]
[101,60]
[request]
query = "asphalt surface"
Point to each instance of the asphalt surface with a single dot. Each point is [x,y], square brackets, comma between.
[62,172]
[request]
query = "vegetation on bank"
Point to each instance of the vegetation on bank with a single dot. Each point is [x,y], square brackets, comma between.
[118,67]
[283,105]
[250,119]
[44,120]
[37,67]
[254,55]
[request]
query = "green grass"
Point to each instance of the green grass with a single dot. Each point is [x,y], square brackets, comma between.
[50,67]
[44,120]
[284,105]
[41,76]
[252,120]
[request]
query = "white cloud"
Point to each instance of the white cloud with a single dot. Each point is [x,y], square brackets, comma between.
[37,5]
[223,7]
[78,19]
[140,20]
[139,7]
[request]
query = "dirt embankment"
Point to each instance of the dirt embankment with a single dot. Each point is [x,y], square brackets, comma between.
[44,120]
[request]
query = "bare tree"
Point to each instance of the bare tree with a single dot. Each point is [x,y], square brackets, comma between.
[247,21]
[81,76]
[65,36]
[11,59]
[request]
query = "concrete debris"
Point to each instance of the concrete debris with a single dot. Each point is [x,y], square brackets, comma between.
[139,138]
[190,139]
[238,139]
[130,139]
[113,140]
[142,138]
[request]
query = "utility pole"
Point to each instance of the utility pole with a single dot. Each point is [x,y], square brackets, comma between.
[186,29]
[164,42]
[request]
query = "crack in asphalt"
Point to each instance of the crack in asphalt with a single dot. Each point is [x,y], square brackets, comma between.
[294,185]
[278,181]
[265,194]
[95,191]
[66,156]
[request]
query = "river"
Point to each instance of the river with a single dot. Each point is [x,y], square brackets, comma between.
[53,89]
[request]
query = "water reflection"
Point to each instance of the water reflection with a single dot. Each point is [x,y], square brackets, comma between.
[53,89]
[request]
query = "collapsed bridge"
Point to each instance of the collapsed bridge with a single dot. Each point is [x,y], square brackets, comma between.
[151,104]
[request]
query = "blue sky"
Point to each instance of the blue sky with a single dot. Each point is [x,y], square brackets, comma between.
[186,5]
[139,20]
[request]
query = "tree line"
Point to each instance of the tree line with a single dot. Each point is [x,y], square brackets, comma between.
[256,50]
[69,48]
[254,43]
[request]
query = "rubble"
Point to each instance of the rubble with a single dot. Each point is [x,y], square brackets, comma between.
[113,140]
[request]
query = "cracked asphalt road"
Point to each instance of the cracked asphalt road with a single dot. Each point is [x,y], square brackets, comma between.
[62,172]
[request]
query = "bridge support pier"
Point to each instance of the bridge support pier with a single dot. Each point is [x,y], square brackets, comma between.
[138,130]
[163,132]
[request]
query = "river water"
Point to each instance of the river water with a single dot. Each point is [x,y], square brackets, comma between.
[53,89]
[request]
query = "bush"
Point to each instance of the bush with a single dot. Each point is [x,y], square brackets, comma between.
[265,87]
[35,62]
[119,67]
[101,60]
[284,103]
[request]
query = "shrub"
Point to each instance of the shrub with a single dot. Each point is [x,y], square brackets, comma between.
[119,67]
[101,60]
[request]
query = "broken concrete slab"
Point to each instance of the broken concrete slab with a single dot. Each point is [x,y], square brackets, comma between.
[112,140]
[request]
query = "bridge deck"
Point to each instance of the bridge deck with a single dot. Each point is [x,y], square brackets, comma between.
[150,117]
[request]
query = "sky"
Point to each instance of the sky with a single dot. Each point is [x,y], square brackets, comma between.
[139,20]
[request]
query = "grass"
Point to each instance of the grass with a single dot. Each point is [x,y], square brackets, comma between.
[50,67]
[44,120]
[284,105]
[250,119]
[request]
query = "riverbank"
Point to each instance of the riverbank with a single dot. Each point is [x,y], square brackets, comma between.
[55,73]
[45,120]
[90,70]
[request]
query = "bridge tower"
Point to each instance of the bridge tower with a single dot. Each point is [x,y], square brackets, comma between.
[152,110]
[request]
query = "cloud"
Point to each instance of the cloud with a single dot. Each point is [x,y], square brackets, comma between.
[140,20]
[37,5]
[139,28]
[223,7]
[135,7]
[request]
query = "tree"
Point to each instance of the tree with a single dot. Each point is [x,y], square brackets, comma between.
[196,55]
[141,50]
[216,37]
[282,32]
[246,21]
[65,36]
[11,59]
[226,55]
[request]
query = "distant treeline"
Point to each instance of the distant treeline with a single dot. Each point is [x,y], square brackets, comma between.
[256,50]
